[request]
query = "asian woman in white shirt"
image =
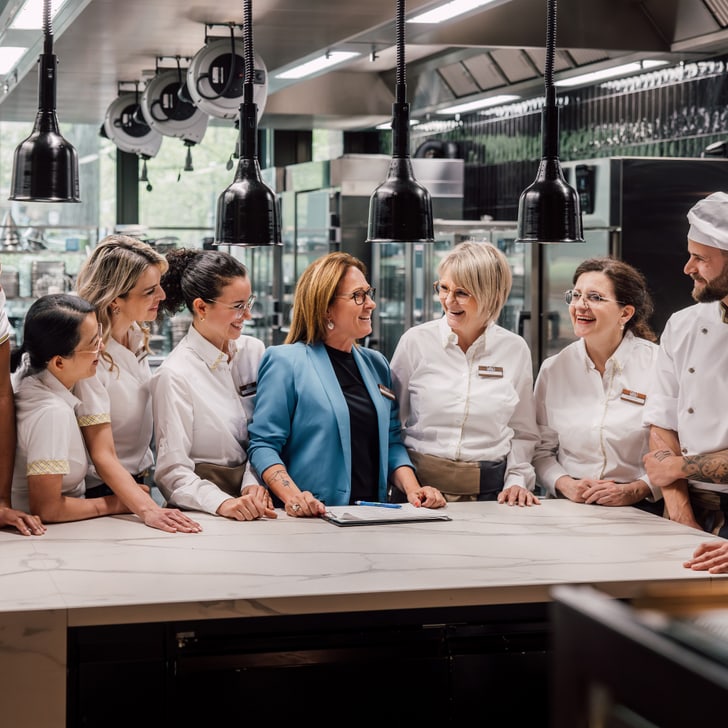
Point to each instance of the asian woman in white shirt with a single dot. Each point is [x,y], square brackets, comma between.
[203,394]
[590,396]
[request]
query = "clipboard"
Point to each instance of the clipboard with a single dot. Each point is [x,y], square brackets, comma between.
[373,515]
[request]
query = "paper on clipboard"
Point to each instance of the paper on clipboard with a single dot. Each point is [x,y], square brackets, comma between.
[371,515]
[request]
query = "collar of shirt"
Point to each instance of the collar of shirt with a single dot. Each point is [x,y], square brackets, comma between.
[619,357]
[56,386]
[724,312]
[449,338]
[209,353]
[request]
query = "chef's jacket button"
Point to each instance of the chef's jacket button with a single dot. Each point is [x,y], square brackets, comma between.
[690,410]
[703,331]
[684,450]
[691,370]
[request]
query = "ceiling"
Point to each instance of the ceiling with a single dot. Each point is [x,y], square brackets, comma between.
[498,49]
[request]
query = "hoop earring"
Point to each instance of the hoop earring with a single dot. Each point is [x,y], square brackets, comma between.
[330,325]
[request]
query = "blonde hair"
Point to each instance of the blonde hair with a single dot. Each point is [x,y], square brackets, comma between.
[482,270]
[314,294]
[111,271]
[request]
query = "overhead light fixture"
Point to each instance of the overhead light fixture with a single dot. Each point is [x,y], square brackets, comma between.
[9,56]
[548,210]
[27,17]
[321,63]
[480,104]
[400,209]
[45,166]
[449,10]
[247,211]
[624,70]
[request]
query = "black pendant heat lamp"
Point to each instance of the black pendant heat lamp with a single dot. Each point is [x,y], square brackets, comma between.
[400,209]
[45,166]
[247,211]
[548,210]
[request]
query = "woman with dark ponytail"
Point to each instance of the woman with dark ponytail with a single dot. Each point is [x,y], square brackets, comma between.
[203,393]
[62,343]
[591,395]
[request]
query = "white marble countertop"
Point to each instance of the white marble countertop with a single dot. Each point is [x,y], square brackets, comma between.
[115,569]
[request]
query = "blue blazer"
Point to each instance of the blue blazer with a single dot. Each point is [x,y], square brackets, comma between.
[301,420]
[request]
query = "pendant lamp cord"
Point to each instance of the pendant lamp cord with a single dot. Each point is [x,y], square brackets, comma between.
[47,28]
[400,116]
[248,50]
[401,79]
[550,141]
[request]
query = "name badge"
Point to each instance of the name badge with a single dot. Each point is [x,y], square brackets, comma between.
[386,392]
[248,390]
[635,397]
[490,371]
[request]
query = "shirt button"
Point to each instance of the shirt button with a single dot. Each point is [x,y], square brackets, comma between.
[703,331]
[690,410]
[691,370]
[684,450]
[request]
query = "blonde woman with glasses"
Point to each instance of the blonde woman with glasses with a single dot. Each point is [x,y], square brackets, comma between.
[590,397]
[203,393]
[121,278]
[465,386]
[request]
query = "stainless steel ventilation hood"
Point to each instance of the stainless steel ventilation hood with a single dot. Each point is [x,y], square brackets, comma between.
[496,49]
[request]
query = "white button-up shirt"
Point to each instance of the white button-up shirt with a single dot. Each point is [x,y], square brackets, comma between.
[471,406]
[121,394]
[4,323]
[49,438]
[201,406]
[591,424]
[690,394]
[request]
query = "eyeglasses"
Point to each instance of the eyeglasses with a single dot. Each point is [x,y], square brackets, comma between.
[591,299]
[99,342]
[359,296]
[461,296]
[239,308]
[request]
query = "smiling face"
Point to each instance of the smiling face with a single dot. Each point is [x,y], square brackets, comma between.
[352,321]
[708,267]
[221,321]
[142,301]
[461,310]
[600,323]
[84,359]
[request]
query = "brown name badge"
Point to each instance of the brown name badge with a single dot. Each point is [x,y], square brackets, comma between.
[635,397]
[386,392]
[490,371]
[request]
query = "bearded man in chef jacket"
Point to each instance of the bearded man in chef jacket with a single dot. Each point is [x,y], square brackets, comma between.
[688,411]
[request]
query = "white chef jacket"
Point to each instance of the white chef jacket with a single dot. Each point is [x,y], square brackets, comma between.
[4,323]
[470,406]
[690,395]
[121,394]
[201,406]
[591,425]
[49,438]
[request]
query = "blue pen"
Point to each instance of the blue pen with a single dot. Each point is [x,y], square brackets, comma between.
[380,505]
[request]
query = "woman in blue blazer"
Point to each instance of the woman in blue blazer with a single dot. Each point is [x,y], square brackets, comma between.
[325,428]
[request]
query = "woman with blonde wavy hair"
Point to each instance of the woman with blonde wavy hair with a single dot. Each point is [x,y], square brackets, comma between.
[121,279]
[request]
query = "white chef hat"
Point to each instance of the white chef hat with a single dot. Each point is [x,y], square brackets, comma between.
[709,221]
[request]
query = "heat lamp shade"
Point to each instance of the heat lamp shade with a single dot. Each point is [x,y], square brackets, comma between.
[548,210]
[45,166]
[247,211]
[400,209]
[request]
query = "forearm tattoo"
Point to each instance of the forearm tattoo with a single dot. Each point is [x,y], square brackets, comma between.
[710,468]
[282,478]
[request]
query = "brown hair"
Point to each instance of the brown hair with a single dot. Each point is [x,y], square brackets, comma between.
[315,292]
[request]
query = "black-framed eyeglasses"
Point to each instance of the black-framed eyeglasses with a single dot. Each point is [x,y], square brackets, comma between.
[461,296]
[591,299]
[239,308]
[359,296]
